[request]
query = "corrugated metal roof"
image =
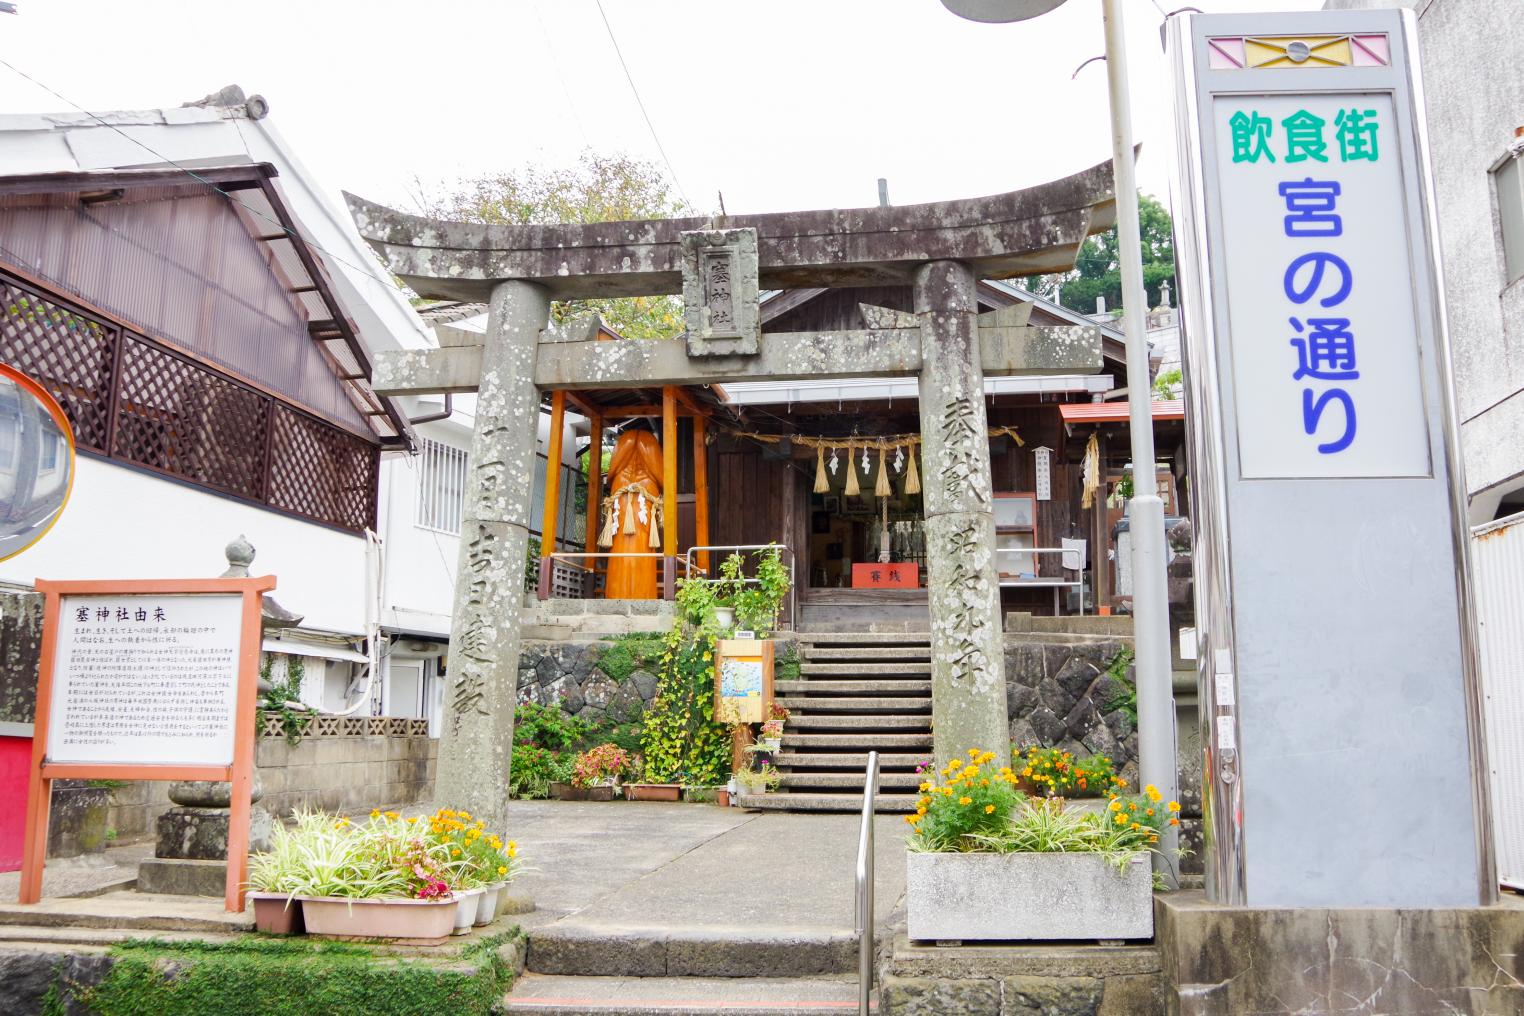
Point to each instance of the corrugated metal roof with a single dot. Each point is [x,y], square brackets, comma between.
[1116,412]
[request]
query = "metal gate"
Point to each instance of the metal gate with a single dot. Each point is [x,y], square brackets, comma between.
[1497,555]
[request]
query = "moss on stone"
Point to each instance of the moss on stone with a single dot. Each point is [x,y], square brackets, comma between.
[629,653]
[260,976]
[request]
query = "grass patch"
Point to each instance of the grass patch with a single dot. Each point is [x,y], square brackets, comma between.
[629,653]
[260,976]
[1127,699]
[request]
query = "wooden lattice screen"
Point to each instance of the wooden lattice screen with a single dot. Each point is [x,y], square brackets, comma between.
[135,400]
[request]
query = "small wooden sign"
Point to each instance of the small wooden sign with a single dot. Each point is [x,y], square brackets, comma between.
[886,576]
[146,680]
[743,680]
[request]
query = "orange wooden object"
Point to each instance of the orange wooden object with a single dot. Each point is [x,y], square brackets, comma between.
[701,491]
[553,475]
[240,773]
[669,473]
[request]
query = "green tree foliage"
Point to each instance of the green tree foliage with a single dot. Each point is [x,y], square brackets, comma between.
[1098,271]
[599,188]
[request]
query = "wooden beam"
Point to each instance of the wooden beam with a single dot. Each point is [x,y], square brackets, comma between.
[594,485]
[669,473]
[587,408]
[701,490]
[553,474]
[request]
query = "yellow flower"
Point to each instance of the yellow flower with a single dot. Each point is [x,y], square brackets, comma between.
[1121,820]
[1148,811]
[411,819]
[955,764]
[1174,806]
[910,819]
[375,813]
[925,787]
[989,809]
[465,815]
[392,814]
[502,870]
[1136,826]
[971,772]
[1116,805]
[455,852]
[921,810]
[973,753]
[965,801]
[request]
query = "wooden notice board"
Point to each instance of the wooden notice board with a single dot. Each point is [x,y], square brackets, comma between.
[743,680]
[146,680]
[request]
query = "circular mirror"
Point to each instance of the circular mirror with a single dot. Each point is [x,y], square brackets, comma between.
[1000,11]
[36,461]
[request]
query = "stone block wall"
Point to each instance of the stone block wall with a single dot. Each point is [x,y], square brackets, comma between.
[1059,695]
[574,675]
[331,771]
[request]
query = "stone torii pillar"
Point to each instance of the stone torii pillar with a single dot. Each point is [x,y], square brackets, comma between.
[963,585]
[482,674]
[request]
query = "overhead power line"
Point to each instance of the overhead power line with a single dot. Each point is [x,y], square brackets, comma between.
[639,102]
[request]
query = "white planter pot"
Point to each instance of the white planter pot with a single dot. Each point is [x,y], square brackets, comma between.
[770,744]
[486,910]
[1010,897]
[725,617]
[465,916]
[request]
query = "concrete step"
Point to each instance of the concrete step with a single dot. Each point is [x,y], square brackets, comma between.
[864,686]
[910,669]
[846,704]
[862,742]
[666,951]
[550,995]
[888,783]
[887,804]
[905,652]
[874,721]
[854,637]
[887,761]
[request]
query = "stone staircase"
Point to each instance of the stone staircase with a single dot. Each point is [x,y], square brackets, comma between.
[857,692]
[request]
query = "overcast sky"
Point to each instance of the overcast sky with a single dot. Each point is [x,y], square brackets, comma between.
[782,104]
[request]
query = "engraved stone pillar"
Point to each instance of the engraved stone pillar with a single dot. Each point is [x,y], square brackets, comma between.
[967,650]
[476,739]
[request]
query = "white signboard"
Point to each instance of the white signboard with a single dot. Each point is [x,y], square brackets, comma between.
[145,679]
[1323,338]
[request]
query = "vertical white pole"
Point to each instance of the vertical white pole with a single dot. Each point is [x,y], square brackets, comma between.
[1145,511]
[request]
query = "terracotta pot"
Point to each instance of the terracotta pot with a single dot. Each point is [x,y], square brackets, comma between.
[465,917]
[652,791]
[409,922]
[486,910]
[722,798]
[277,913]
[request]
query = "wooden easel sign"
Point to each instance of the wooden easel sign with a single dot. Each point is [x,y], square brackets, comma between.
[743,680]
[146,680]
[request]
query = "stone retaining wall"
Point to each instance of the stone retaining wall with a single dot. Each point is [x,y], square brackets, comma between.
[1059,695]
[20,646]
[366,762]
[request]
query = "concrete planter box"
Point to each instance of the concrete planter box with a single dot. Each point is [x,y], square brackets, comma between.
[1016,897]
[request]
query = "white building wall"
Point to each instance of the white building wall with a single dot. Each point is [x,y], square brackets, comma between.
[1472,52]
[120,523]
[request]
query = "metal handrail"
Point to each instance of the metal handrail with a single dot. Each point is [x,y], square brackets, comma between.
[864,898]
[793,593]
[548,561]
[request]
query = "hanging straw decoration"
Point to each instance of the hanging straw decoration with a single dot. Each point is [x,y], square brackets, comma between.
[1090,471]
[654,540]
[611,523]
[882,488]
[822,483]
[852,488]
[629,515]
[912,478]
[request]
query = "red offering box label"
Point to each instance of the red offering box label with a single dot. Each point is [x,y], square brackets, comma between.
[886,576]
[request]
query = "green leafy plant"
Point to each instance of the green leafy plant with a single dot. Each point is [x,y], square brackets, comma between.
[277,700]
[1052,772]
[757,603]
[534,769]
[600,765]
[963,802]
[763,779]
[1127,698]
[548,727]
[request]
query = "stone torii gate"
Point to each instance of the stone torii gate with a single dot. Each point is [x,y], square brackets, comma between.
[718,265]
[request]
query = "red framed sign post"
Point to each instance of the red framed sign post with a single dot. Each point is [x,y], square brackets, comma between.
[146,679]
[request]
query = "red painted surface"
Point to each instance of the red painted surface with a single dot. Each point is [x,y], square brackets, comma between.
[886,576]
[15,756]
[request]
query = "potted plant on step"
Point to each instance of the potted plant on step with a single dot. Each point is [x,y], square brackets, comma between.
[987,863]
[758,779]
[771,738]
[597,771]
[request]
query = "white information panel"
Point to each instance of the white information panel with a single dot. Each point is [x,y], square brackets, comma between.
[146,679]
[1322,332]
